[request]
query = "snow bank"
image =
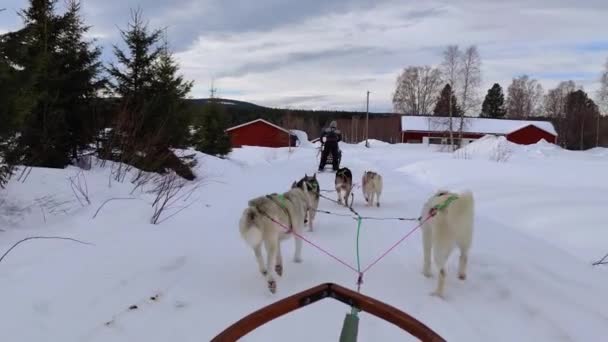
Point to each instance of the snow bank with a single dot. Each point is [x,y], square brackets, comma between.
[302,138]
[374,143]
[538,225]
[489,147]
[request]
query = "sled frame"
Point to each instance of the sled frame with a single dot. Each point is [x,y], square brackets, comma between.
[339,293]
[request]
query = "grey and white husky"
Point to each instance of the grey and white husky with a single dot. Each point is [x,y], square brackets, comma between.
[271,219]
[313,186]
[371,183]
[344,184]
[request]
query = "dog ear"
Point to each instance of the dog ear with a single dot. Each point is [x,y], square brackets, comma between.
[294,185]
[314,175]
[305,175]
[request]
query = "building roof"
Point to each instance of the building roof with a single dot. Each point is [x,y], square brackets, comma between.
[259,120]
[411,123]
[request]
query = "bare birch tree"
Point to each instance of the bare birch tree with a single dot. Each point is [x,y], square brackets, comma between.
[451,69]
[555,106]
[603,91]
[525,98]
[470,77]
[416,90]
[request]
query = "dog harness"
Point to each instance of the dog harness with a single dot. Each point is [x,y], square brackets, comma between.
[433,211]
[281,203]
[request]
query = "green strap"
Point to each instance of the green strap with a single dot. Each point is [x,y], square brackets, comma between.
[281,199]
[446,203]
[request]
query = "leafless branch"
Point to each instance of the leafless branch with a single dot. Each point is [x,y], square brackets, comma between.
[170,189]
[602,261]
[42,237]
[111,199]
[80,187]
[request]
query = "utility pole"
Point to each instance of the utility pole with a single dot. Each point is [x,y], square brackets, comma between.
[212,91]
[367,122]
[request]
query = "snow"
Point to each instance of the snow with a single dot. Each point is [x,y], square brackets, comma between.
[374,143]
[472,125]
[540,222]
[302,138]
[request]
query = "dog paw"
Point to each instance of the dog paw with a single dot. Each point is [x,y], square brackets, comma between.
[297,260]
[279,270]
[272,286]
[378,204]
[264,272]
[427,274]
[462,276]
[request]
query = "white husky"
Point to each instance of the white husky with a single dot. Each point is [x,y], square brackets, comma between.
[271,219]
[450,226]
[371,183]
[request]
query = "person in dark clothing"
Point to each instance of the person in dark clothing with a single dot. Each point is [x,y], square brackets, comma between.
[332,136]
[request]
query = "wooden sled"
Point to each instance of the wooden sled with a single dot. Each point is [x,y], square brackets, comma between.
[315,294]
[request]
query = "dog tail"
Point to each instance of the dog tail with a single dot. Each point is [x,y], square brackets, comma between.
[250,232]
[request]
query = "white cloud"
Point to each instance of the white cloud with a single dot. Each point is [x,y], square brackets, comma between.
[336,58]
[328,53]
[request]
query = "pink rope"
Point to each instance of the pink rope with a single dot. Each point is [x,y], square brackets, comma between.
[289,230]
[360,274]
[397,243]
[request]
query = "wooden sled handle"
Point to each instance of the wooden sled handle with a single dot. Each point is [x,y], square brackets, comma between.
[317,293]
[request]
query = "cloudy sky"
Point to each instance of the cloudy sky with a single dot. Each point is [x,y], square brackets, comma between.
[328,53]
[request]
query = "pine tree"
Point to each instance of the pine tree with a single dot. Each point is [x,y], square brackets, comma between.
[581,116]
[15,103]
[170,91]
[132,81]
[210,131]
[43,139]
[494,104]
[81,69]
[442,108]
[153,116]
[135,82]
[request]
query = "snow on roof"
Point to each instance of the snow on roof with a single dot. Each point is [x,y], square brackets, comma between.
[472,125]
[259,120]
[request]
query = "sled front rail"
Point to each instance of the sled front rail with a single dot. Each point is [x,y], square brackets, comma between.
[315,294]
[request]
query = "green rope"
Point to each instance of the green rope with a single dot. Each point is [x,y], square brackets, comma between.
[358,233]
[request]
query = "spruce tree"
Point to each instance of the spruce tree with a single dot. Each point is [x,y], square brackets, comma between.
[132,81]
[154,113]
[442,108]
[43,139]
[80,69]
[134,84]
[169,106]
[494,104]
[210,131]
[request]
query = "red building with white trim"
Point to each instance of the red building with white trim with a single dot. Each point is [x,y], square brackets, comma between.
[432,129]
[260,133]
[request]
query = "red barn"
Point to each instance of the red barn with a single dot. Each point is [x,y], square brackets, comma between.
[432,129]
[260,133]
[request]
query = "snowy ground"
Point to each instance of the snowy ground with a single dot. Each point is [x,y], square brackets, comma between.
[540,222]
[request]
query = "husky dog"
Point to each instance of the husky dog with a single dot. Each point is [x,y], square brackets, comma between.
[271,219]
[371,184]
[344,184]
[448,226]
[312,184]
